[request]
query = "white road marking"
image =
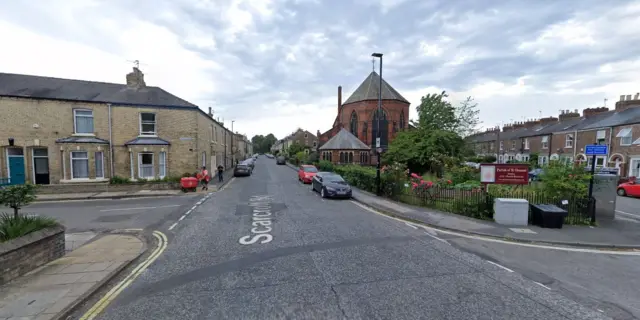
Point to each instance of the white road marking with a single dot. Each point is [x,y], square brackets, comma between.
[600,310]
[194,207]
[542,285]
[182,218]
[140,208]
[500,266]
[173,226]
[189,211]
[411,225]
[631,215]
[522,244]
[439,239]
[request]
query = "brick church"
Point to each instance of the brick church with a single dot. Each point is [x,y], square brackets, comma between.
[352,138]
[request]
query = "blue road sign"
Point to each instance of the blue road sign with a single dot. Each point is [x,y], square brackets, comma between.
[596,150]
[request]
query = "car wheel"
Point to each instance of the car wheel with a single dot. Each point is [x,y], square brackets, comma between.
[621,192]
[322,194]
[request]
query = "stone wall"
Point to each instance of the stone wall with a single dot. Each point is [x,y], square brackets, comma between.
[105,187]
[21,255]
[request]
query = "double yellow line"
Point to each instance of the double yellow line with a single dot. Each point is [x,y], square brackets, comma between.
[116,290]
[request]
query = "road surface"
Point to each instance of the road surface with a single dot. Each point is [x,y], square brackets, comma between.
[266,247]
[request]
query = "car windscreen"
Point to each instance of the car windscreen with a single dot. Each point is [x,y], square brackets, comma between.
[335,179]
[310,169]
[241,166]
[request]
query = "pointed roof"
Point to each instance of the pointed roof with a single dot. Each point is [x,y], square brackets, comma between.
[369,88]
[344,140]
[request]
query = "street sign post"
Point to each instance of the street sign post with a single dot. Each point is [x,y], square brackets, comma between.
[594,150]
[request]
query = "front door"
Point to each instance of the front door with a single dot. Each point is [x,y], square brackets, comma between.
[634,167]
[40,166]
[15,161]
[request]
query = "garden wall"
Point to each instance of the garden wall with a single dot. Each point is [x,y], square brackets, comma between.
[21,255]
[105,187]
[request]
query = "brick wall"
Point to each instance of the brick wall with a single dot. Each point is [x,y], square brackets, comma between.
[19,256]
[105,187]
[365,111]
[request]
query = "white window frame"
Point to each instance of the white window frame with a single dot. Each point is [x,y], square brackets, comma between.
[75,124]
[601,135]
[568,140]
[544,143]
[140,165]
[95,155]
[625,133]
[513,144]
[603,158]
[525,158]
[71,158]
[162,164]
[501,145]
[543,160]
[526,143]
[155,124]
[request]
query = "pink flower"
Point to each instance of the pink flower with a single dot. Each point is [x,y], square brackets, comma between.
[415,176]
[414,185]
[449,181]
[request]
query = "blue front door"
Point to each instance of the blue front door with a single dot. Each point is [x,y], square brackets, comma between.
[16,169]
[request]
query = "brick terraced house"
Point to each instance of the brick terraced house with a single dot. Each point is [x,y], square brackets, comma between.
[359,115]
[72,131]
[564,138]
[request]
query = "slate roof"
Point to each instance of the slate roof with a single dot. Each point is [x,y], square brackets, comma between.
[614,119]
[37,87]
[369,88]
[147,141]
[82,140]
[344,140]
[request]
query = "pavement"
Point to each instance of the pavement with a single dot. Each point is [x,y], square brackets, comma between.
[614,234]
[213,186]
[267,247]
[52,291]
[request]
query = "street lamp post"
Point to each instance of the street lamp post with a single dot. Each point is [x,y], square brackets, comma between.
[233,137]
[378,139]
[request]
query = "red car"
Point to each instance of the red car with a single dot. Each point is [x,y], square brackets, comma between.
[306,173]
[631,188]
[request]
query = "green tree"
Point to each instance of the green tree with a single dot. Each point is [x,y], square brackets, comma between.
[294,148]
[17,196]
[263,144]
[467,115]
[436,113]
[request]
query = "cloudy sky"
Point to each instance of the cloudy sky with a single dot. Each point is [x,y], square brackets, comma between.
[274,65]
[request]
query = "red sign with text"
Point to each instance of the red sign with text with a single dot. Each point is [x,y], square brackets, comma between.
[504,173]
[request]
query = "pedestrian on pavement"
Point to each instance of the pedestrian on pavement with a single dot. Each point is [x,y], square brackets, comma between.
[204,178]
[220,170]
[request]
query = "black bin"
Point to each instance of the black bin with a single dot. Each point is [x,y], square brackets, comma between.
[547,216]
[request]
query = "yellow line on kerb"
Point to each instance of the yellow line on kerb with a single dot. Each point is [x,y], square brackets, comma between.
[116,290]
[228,183]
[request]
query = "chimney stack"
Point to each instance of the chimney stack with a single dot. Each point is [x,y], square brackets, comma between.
[568,115]
[593,111]
[637,96]
[548,120]
[628,97]
[135,79]
[339,97]
[210,112]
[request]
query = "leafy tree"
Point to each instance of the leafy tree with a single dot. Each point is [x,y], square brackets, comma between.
[294,148]
[561,180]
[263,144]
[425,150]
[436,113]
[467,116]
[17,196]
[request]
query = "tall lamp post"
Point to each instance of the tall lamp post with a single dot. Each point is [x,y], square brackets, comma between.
[233,137]
[379,114]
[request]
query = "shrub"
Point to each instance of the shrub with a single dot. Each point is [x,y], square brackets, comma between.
[12,227]
[562,180]
[463,174]
[119,180]
[18,196]
[325,165]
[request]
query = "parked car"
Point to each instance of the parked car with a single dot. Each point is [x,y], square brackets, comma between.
[629,189]
[330,185]
[250,162]
[270,156]
[536,174]
[281,160]
[242,170]
[306,173]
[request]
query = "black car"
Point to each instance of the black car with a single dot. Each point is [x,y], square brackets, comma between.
[281,160]
[242,170]
[250,162]
[330,185]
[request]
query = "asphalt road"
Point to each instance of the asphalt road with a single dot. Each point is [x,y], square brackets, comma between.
[627,207]
[106,215]
[309,258]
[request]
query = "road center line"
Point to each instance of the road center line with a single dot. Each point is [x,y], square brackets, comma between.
[140,208]
[542,285]
[411,225]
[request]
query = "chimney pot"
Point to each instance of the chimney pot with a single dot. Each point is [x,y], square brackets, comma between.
[637,96]
[622,97]
[628,97]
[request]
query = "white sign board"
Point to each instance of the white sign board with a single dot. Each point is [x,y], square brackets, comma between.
[377,142]
[487,174]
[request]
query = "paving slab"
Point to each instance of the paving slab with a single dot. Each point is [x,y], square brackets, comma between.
[56,288]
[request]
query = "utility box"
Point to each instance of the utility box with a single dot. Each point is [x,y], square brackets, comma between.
[511,212]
